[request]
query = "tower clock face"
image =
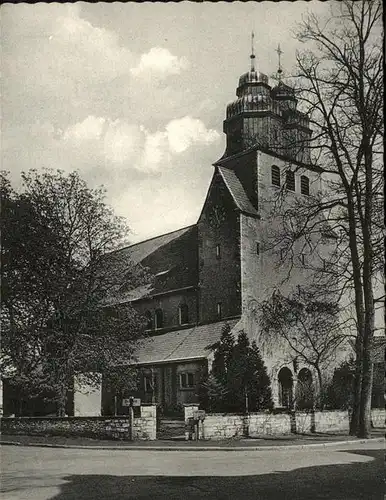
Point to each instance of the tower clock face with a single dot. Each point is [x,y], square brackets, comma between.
[217,216]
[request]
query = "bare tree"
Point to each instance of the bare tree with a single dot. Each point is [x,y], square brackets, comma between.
[341,89]
[307,324]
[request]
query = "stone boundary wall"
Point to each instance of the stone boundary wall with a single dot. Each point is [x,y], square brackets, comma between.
[332,421]
[222,426]
[268,424]
[378,416]
[144,427]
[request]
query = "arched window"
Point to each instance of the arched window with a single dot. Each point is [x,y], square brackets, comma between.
[159,319]
[290,180]
[285,388]
[149,320]
[305,185]
[275,175]
[184,314]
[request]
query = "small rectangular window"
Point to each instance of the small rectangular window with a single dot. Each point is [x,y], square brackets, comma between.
[183,314]
[290,181]
[305,185]
[219,309]
[218,252]
[150,383]
[186,380]
[257,248]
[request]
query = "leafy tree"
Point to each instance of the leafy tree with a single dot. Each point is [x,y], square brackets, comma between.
[213,389]
[340,78]
[239,379]
[213,393]
[62,310]
[308,325]
[223,351]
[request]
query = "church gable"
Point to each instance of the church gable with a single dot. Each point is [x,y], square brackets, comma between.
[219,253]
[219,203]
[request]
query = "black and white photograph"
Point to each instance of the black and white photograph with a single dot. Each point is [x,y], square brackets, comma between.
[192,250]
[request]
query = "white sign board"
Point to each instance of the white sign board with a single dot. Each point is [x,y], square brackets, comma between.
[135,402]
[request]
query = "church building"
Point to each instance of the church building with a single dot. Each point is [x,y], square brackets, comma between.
[215,272]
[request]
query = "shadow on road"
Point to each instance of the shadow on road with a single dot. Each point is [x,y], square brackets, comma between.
[353,481]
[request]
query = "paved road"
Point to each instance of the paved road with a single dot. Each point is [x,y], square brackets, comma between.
[341,473]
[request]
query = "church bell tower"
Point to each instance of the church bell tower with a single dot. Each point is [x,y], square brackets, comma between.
[266,117]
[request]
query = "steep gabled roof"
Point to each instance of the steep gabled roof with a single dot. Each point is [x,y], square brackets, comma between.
[139,251]
[190,343]
[237,191]
[170,258]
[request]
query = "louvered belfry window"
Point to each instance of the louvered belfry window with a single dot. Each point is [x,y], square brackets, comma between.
[275,175]
[290,181]
[305,185]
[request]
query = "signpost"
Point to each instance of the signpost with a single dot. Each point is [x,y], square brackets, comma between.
[198,416]
[131,402]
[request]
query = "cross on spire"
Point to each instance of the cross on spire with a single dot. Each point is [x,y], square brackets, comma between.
[252,51]
[279,53]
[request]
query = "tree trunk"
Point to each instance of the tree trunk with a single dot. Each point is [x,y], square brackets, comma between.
[354,421]
[368,293]
[62,400]
[321,388]
[364,430]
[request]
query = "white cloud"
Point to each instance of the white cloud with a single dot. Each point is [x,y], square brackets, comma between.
[184,132]
[159,62]
[156,151]
[132,146]
[122,143]
[89,129]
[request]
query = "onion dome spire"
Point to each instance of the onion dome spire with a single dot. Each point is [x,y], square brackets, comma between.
[252,51]
[279,71]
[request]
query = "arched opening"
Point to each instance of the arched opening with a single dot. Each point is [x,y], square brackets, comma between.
[285,388]
[159,319]
[304,390]
[184,314]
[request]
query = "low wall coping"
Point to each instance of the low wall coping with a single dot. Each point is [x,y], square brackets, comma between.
[72,418]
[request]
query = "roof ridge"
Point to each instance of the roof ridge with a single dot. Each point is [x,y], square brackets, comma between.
[153,238]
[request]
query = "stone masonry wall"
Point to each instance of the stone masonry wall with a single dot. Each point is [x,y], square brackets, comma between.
[268,424]
[222,426]
[219,426]
[144,427]
[332,421]
[378,416]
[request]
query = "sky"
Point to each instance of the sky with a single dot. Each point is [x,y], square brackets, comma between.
[133,95]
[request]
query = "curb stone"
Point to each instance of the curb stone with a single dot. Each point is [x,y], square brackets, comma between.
[196,448]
